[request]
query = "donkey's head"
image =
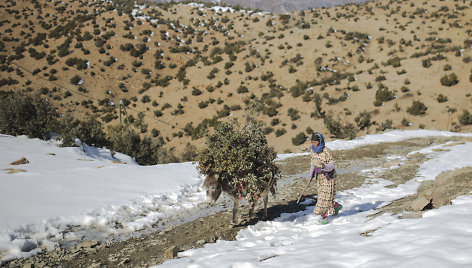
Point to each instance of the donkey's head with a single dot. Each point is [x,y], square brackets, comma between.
[213,187]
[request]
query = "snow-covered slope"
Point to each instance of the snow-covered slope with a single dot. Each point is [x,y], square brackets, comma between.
[83,186]
[67,191]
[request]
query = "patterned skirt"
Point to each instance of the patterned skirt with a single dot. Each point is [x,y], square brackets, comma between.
[326,194]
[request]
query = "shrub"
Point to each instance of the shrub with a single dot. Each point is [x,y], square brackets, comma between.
[279,132]
[23,114]
[274,122]
[202,104]
[385,125]
[441,98]
[380,78]
[383,95]
[89,131]
[293,113]
[145,150]
[196,91]
[268,130]
[417,108]
[242,89]
[76,80]
[405,122]
[465,118]
[449,80]
[338,129]
[363,120]
[299,139]
[145,99]
[427,63]
[270,111]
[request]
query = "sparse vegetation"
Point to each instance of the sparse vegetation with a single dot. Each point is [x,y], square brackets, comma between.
[449,80]
[87,57]
[417,108]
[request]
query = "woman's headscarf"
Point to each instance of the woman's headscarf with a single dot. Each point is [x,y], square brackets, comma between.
[316,136]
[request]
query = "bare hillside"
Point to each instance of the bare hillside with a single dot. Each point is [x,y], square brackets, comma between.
[177,69]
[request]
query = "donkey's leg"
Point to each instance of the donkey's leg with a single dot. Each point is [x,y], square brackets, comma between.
[265,195]
[235,211]
[252,205]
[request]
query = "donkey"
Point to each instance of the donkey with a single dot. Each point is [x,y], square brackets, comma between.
[214,188]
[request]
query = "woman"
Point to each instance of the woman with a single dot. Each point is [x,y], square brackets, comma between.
[322,163]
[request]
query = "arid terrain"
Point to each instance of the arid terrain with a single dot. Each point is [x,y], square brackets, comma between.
[179,68]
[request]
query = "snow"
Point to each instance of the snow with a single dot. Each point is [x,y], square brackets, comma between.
[83,187]
[440,239]
[86,188]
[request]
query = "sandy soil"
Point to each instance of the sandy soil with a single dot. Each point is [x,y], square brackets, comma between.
[399,29]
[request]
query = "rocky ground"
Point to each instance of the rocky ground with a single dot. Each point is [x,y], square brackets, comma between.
[154,247]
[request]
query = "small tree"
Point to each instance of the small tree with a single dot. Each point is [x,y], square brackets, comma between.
[338,129]
[465,118]
[22,114]
[449,80]
[417,108]
[299,139]
[239,156]
[363,120]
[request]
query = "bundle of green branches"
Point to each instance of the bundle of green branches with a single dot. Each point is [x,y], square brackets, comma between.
[240,156]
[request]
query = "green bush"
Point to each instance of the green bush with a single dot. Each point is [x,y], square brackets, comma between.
[293,113]
[427,63]
[465,118]
[417,108]
[145,150]
[22,114]
[441,98]
[338,129]
[383,95]
[405,122]
[385,125]
[279,132]
[363,120]
[242,89]
[299,139]
[196,91]
[449,80]
[75,80]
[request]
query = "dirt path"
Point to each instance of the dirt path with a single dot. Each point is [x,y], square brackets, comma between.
[150,248]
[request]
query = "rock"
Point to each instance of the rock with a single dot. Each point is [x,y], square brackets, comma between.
[124,261]
[440,199]
[420,203]
[428,194]
[88,244]
[14,170]
[412,215]
[20,161]
[171,252]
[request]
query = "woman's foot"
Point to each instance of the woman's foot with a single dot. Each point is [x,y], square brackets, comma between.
[324,221]
[325,218]
[337,207]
